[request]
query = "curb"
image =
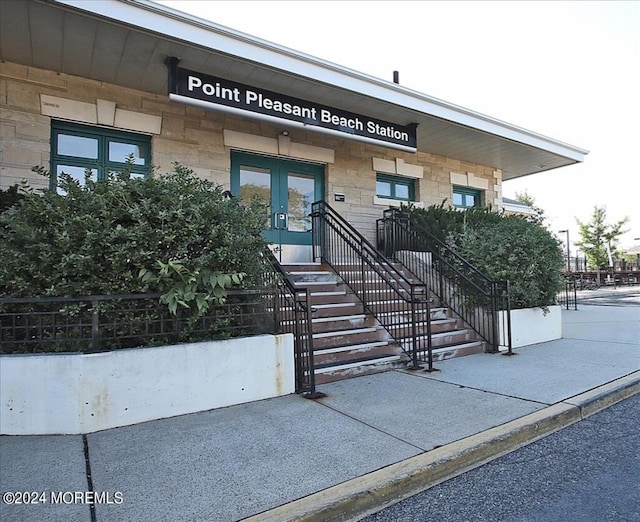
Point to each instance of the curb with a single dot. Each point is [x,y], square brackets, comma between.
[353,499]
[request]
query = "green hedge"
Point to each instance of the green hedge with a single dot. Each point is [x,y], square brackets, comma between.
[511,247]
[98,237]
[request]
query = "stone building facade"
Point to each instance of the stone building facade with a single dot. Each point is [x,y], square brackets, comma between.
[34,98]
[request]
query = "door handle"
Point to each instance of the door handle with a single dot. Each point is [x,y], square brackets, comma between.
[281,218]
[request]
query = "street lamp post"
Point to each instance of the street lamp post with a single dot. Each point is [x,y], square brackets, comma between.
[568,251]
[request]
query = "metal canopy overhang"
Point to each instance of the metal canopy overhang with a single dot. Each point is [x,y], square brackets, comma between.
[126,43]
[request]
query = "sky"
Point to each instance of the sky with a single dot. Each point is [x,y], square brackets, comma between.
[566,70]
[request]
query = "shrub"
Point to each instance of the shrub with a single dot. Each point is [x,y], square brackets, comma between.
[448,224]
[97,238]
[172,234]
[522,252]
[510,248]
[10,197]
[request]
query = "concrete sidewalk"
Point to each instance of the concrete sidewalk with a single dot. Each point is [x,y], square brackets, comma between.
[373,439]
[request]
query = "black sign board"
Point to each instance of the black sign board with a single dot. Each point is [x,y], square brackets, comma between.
[219,93]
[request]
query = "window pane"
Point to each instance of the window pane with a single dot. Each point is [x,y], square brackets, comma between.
[255,183]
[300,193]
[457,199]
[77,146]
[119,151]
[76,173]
[383,189]
[402,191]
[470,200]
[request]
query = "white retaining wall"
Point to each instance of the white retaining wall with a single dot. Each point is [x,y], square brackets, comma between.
[532,326]
[83,393]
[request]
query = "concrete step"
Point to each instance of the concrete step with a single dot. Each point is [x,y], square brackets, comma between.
[363,366]
[441,339]
[457,350]
[349,342]
[345,354]
[354,336]
[339,322]
[336,308]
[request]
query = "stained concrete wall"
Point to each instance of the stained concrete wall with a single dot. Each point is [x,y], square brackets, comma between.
[83,393]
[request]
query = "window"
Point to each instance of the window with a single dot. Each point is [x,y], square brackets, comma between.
[392,187]
[76,148]
[465,197]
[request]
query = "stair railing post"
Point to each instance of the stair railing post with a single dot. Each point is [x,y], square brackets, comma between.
[440,274]
[430,367]
[507,313]
[362,276]
[308,344]
[414,330]
[495,317]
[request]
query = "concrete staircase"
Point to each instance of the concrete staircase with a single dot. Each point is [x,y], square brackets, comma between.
[349,341]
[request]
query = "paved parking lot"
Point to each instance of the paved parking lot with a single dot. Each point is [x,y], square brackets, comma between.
[611,296]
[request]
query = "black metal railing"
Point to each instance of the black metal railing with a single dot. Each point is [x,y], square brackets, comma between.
[568,297]
[100,323]
[293,315]
[480,301]
[399,303]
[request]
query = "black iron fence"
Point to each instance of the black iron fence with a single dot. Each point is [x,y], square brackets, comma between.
[108,322]
[99,323]
[480,301]
[568,297]
[400,304]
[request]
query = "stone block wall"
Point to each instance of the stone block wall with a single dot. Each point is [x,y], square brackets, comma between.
[196,138]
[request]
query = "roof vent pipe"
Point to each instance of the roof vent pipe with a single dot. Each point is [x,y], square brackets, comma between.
[396,77]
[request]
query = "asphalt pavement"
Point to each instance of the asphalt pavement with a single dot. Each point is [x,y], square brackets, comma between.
[587,472]
[371,441]
[623,295]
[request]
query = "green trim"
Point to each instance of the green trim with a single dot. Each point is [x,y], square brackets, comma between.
[101,164]
[468,197]
[397,186]
[279,169]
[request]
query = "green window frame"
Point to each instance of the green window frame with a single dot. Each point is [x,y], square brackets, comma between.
[394,187]
[464,197]
[76,148]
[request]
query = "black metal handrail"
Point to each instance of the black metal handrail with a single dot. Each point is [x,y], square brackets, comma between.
[483,303]
[293,315]
[398,302]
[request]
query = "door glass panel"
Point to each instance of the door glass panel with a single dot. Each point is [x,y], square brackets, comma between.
[119,152]
[255,185]
[300,193]
[77,146]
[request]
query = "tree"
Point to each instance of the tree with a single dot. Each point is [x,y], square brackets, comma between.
[527,199]
[598,238]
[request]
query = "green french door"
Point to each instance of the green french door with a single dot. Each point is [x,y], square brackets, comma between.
[286,187]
